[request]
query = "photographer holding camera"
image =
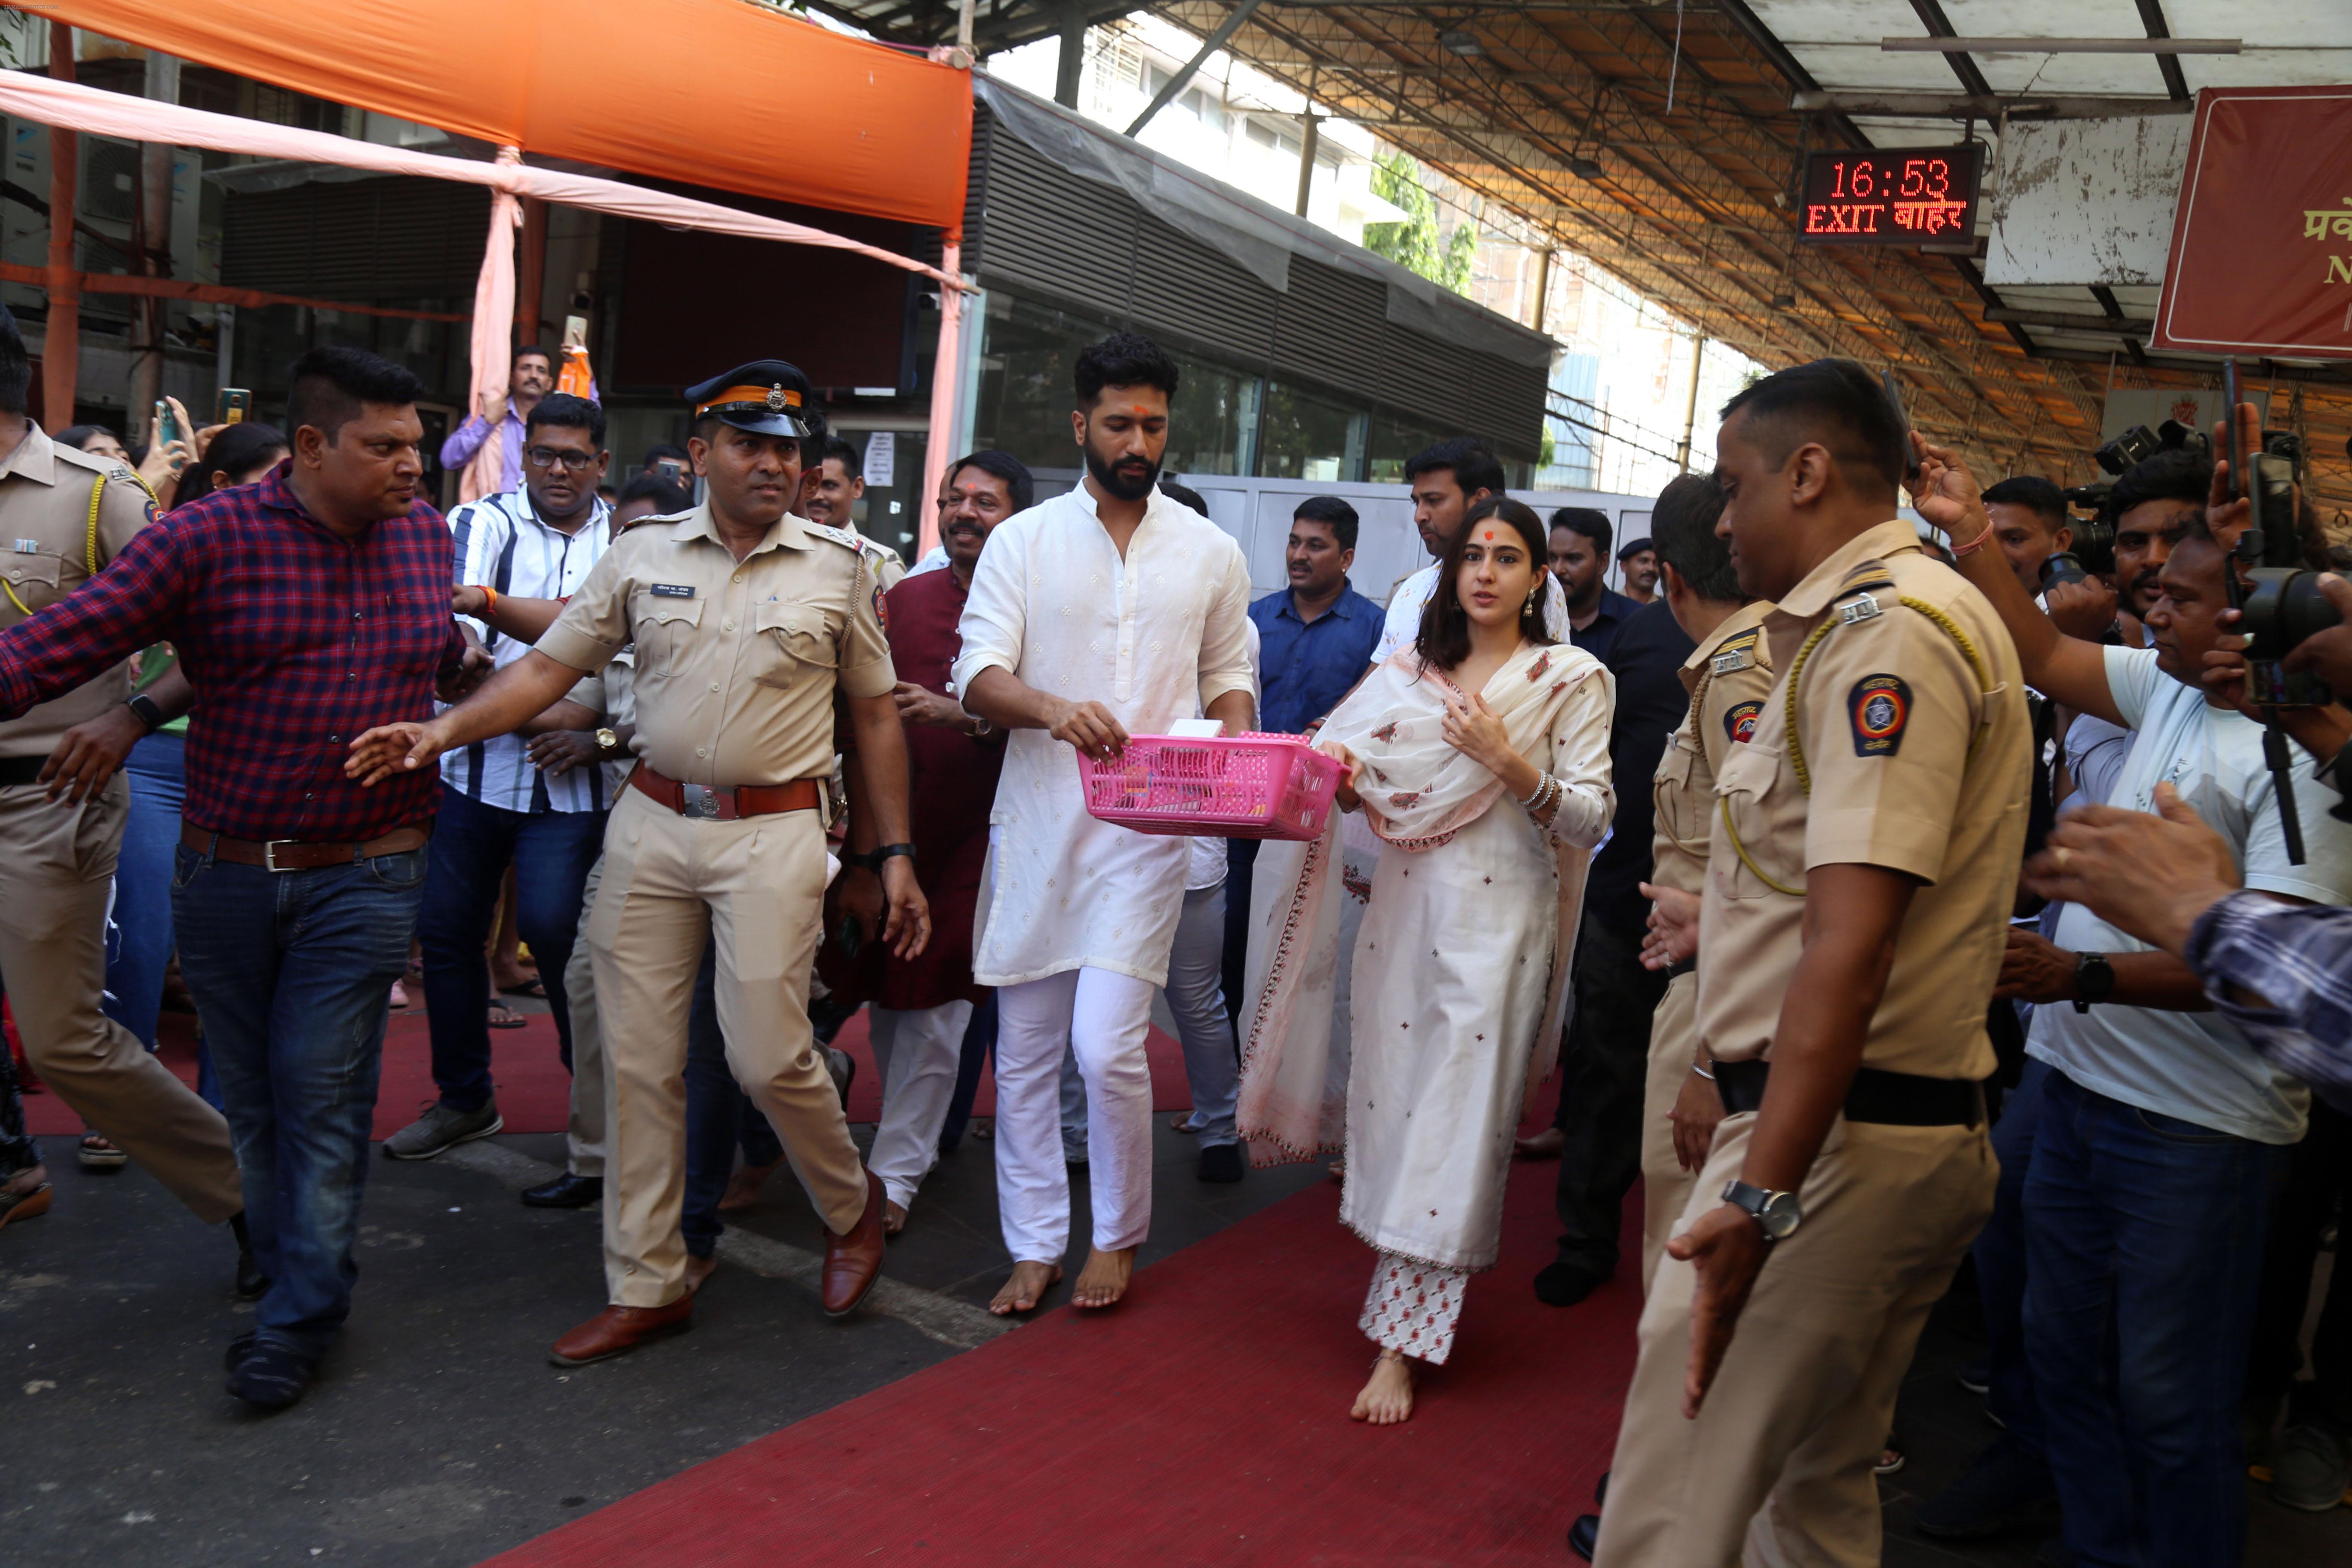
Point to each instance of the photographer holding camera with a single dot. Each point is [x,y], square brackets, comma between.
[2160,1125]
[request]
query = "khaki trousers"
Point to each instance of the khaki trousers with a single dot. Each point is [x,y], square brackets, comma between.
[755,889]
[56,863]
[583,1138]
[1665,1185]
[1776,1471]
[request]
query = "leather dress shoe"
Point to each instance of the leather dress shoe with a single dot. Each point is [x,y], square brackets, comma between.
[1584,1535]
[616,1330]
[566,1191]
[853,1262]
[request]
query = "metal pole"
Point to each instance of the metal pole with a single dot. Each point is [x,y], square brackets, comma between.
[1308,145]
[61,338]
[947,375]
[163,86]
[1543,287]
[1690,409]
[1071,72]
[963,27]
[1175,84]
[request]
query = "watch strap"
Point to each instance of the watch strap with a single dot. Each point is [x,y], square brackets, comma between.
[150,714]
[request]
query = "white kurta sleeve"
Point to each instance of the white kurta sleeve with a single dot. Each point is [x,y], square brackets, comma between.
[1225,638]
[995,614]
[1578,744]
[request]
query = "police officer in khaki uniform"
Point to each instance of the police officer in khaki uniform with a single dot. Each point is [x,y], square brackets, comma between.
[63,515]
[1860,870]
[746,620]
[1728,676]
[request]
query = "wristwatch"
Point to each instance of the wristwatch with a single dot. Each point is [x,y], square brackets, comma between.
[1776,1215]
[149,713]
[872,859]
[2095,980]
[607,741]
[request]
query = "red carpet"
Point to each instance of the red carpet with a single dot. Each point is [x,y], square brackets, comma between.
[535,1092]
[1204,1421]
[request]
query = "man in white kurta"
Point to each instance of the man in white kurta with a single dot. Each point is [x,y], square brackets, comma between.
[1081,914]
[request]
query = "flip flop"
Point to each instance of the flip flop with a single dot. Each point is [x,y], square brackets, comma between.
[98,1153]
[536,986]
[29,1205]
[513,1020]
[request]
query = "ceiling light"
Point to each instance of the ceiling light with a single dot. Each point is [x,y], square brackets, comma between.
[1462,41]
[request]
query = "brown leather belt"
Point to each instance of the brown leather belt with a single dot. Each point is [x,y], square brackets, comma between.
[720,804]
[298,854]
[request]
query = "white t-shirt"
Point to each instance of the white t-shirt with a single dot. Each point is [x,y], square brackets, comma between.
[2196,1067]
[1412,596]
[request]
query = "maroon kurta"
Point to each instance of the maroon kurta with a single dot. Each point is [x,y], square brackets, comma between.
[952,786]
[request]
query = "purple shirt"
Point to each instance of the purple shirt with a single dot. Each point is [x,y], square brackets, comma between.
[467,439]
[295,638]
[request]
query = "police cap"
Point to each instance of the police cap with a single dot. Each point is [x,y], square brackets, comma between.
[768,396]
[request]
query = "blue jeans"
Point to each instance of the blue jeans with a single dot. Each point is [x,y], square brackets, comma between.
[718,1116]
[141,951]
[2144,1244]
[2000,1257]
[473,844]
[292,972]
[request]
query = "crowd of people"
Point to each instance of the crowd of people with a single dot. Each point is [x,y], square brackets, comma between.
[1880,902]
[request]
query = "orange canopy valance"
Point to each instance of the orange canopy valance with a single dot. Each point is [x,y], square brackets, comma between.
[711,92]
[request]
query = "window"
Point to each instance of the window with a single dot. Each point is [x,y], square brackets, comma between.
[1027,352]
[1213,424]
[1393,445]
[1308,437]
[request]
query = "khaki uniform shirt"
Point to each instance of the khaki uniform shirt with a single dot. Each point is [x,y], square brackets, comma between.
[736,661]
[45,491]
[1917,762]
[1728,676]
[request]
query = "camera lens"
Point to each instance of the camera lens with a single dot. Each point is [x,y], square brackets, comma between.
[2062,567]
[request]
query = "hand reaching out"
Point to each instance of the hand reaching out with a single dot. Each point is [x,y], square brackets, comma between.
[1946,493]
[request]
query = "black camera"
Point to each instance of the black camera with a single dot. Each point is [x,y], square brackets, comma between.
[2136,445]
[2091,554]
[2282,602]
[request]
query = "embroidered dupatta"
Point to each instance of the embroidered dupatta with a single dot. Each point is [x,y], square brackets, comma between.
[1418,793]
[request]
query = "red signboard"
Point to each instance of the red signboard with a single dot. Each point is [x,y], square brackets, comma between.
[1895,196]
[2262,237]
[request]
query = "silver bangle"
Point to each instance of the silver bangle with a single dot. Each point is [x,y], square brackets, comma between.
[1546,785]
[1702,1072]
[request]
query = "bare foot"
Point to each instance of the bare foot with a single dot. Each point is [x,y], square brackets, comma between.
[1103,1279]
[743,1186]
[1028,1287]
[1387,1399]
[698,1269]
[894,1218]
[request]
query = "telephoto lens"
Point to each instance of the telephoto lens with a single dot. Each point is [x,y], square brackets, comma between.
[2063,567]
[2284,605]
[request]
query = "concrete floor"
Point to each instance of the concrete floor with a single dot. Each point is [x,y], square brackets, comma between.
[438,1434]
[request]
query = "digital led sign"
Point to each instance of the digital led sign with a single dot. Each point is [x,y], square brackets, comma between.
[1896,195]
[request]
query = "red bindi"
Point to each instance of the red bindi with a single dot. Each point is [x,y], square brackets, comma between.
[1490,536]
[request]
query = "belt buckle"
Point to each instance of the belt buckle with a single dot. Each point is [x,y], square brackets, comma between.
[699,800]
[270,855]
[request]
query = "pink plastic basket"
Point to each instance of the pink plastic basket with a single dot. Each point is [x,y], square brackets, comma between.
[1237,787]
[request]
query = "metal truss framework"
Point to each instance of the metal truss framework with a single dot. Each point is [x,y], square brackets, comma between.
[1693,208]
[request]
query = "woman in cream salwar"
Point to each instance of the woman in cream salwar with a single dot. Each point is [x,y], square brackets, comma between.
[1479,757]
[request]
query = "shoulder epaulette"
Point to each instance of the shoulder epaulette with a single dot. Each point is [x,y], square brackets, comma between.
[841,536]
[1737,653]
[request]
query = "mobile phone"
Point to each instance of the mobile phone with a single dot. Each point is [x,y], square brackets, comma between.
[165,429]
[235,403]
[1910,456]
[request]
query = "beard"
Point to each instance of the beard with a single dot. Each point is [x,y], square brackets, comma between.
[1122,486]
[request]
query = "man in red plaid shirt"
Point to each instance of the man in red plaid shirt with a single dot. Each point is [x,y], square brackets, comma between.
[306,609]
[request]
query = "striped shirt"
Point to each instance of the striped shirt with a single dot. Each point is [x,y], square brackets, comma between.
[502,543]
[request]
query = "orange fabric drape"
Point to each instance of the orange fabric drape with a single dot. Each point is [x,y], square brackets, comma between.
[208,293]
[711,92]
